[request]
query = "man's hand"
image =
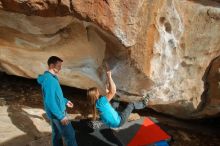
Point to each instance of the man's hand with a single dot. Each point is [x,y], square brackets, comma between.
[69,104]
[65,121]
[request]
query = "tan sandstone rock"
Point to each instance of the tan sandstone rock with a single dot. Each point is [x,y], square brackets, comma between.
[161,46]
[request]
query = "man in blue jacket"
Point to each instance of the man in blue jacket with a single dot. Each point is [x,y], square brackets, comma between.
[55,104]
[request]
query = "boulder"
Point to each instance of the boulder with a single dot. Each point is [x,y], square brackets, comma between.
[165,48]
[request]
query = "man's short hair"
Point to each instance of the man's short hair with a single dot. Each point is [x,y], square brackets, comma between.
[53,60]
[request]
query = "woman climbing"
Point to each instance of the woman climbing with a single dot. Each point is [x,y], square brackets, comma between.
[108,112]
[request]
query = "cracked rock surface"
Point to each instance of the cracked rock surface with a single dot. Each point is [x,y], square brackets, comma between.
[169,48]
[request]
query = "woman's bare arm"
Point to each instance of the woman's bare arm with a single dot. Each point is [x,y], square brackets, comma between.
[112,86]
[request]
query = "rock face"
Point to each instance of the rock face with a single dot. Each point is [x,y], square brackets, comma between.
[169,48]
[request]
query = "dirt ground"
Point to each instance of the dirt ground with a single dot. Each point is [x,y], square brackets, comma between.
[22,118]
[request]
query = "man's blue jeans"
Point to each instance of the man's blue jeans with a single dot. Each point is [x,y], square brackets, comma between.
[59,130]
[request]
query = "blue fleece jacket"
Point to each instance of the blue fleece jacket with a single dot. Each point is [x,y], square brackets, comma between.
[54,101]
